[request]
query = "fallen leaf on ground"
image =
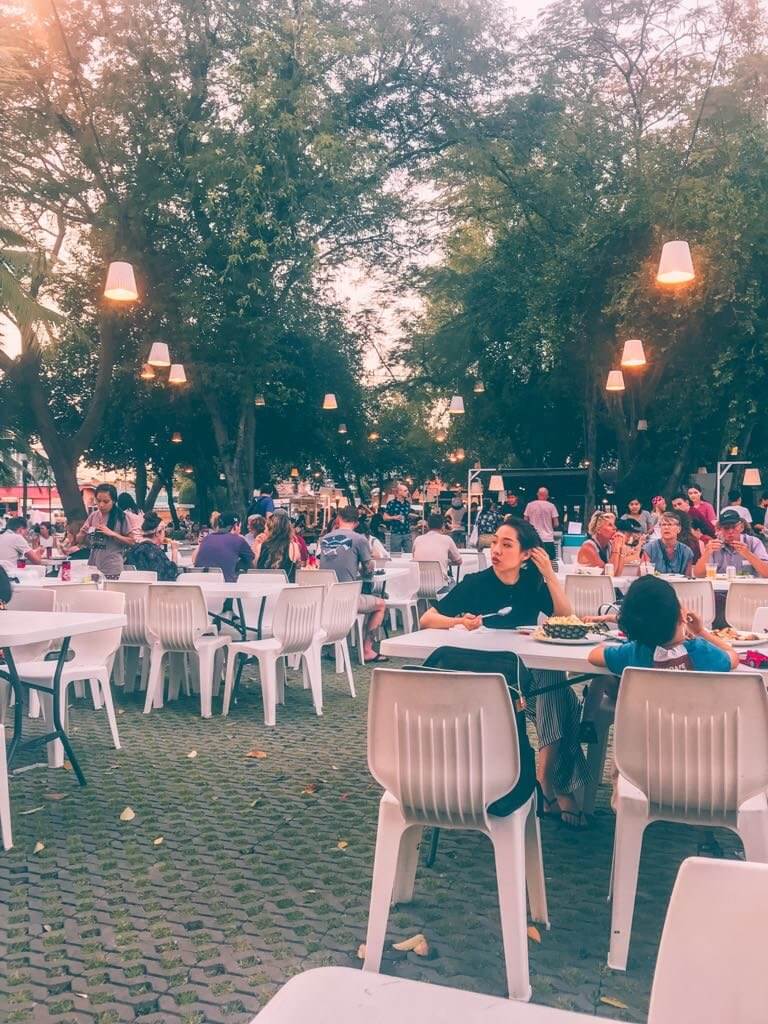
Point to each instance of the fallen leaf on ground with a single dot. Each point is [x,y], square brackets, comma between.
[67,766]
[342,844]
[55,796]
[128,814]
[309,789]
[410,944]
[121,711]
[111,767]
[344,796]
[534,934]
[334,768]
[39,847]
[254,802]
[46,928]
[158,841]
[33,810]
[361,951]
[616,1003]
[191,754]
[258,754]
[82,995]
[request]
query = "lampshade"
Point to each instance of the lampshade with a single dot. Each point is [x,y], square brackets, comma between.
[147,373]
[752,478]
[374,435]
[259,400]
[496,483]
[452,457]
[479,387]
[615,381]
[440,436]
[733,450]
[675,265]
[176,437]
[177,375]
[633,354]
[295,471]
[457,405]
[460,454]
[642,424]
[121,284]
[159,354]
[342,428]
[329,402]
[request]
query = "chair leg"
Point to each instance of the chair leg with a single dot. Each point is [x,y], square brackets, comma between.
[388,837]
[95,694]
[34,710]
[313,666]
[627,846]
[229,678]
[129,667]
[596,764]
[534,867]
[206,658]
[361,639]
[5,799]
[280,673]
[268,677]
[407,863]
[393,619]
[347,660]
[154,696]
[752,828]
[509,854]
[146,655]
[109,707]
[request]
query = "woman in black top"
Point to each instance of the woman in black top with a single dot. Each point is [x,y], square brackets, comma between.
[279,550]
[522,577]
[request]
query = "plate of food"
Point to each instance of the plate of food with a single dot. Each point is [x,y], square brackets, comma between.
[740,637]
[566,629]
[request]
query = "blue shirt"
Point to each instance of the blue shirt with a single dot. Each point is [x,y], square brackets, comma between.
[395,507]
[223,551]
[677,562]
[704,656]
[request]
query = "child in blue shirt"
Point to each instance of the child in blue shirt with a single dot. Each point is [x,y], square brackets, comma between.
[661,634]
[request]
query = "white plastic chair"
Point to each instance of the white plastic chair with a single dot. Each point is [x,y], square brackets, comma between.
[138,575]
[92,656]
[697,596]
[743,600]
[296,630]
[268,572]
[711,963]
[431,581]
[403,591]
[5,798]
[201,576]
[22,600]
[444,746]
[690,747]
[39,600]
[760,621]
[338,616]
[136,640]
[316,577]
[177,623]
[588,593]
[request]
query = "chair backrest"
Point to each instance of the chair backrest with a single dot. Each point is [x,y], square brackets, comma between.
[316,577]
[201,575]
[269,572]
[711,963]
[588,593]
[65,596]
[339,609]
[41,599]
[695,743]
[431,580]
[138,575]
[176,616]
[297,617]
[406,585]
[760,621]
[443,743]
[697,596]
[136,605]
[93,648]
[743,600]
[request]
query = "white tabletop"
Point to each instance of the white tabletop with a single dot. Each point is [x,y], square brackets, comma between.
[341,995]
[32,627]
[721,584]
[257,586]
[35,583]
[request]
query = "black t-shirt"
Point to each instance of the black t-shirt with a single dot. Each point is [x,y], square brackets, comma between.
[482,592]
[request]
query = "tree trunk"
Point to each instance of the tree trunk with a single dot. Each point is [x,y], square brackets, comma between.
[65,474]
[171,503]
[154,491]
[672,484]
[141,482]
[236,454]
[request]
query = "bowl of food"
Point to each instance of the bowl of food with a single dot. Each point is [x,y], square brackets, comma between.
[565,627]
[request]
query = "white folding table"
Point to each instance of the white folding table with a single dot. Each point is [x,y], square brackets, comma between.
[20,628]
[341,995]
[262,587]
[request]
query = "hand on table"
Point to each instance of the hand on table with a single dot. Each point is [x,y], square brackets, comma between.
[469,621]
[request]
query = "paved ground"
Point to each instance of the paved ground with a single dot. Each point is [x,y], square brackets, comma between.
[231,877]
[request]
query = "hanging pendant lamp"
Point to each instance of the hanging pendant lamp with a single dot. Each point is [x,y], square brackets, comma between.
[496,483]
[159,354]
[441,436]
[121,283]
[295,472]
[329,402]
[752,478]
[342,428]
[177,375]
[456,408]
[259,400]
[374,435]
[176,437]
[615,381]
[460,454]
[633,354]
[479,387]
[147,372]
[675,265]
[642,424]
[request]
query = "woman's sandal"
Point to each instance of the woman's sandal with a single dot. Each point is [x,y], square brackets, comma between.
[576,821]
[544,813]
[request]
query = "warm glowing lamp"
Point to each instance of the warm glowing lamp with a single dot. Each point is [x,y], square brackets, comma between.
[752,478]
[479,387]
[147,373]
[457,405]
[374,435]
[675,265]
[159,354]
[496,483]
[329,402]
[342,428]
[121,284]
[177,375]
[259,400]
[615,381]
[176,437]
[633,354]
[295,471]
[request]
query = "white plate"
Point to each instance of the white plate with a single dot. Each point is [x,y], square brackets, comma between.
[747,643]
[584,641]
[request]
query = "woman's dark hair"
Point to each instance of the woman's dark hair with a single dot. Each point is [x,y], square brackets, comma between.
[115,516]
[363,528]
[436,521]
[278,542]
[528,538]
[257,524]
[630,500]
[151,523]
[650,612]
[227,520]
[126,502]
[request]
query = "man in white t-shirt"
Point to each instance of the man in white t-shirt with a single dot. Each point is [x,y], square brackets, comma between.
[542,515]
[14,543]
[735,505]
[436,546]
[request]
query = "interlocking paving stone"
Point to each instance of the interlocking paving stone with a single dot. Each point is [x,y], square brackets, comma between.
[249,887]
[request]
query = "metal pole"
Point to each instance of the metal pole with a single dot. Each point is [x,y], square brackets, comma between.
[722,469]
[24,487]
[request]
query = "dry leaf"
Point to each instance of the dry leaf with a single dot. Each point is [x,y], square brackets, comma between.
[334,768]
[310,789]
[410,944]
[39,847]
[258,754]
[121,711]
[342,844]
[534,934]
[47,928]
[361,951]
[191,754]
[55,796]
[82,995]
[128,814]
[616,1003]
[33,810]
[67,766]
[158,841]
[254,802]
[344,796]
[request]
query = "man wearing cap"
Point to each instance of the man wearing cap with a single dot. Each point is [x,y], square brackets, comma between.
[732,547]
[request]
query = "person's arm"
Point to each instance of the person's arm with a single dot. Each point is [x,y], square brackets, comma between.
[433,619]
[697,629]
[561,603]
[526,517]
[597,656]
[700,568]
[82,533]
[757,558]
[454,558]
[33,555]
[587,555]
[388,517]
[246,551]
[618,554]
[555,518]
